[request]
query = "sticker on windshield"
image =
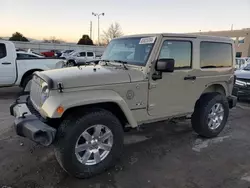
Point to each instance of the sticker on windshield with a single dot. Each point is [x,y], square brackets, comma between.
[148,40]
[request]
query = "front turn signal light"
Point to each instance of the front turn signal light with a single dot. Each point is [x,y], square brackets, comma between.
[60,110]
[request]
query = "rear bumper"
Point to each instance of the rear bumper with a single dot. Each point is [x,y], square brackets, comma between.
[28,125]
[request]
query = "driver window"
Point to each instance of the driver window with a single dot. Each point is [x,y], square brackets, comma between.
[82,54]
[180,51]
[3,51]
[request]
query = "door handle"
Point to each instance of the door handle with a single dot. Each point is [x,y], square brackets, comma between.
[190,78]
[6,63]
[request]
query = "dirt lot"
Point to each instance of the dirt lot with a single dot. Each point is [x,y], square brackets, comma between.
[165,155]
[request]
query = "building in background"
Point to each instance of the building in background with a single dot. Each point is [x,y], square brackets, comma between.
[241,39]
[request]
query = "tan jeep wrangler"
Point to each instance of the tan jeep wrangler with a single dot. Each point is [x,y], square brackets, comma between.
[141,79]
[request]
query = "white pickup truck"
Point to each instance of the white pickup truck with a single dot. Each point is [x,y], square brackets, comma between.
[18,71]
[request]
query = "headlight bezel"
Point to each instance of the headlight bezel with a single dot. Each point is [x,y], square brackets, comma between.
[44,92]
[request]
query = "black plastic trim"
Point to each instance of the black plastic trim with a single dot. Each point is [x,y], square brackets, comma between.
[232,100]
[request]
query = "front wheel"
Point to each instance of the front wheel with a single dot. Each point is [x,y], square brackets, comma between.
[70,63]
[89,144]
[210,115]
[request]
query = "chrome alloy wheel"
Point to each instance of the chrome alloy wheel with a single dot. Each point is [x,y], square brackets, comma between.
[94,145]
[216,116]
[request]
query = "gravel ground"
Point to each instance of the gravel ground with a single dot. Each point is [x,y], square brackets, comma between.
[160,155]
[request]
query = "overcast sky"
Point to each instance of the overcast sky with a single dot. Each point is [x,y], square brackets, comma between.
[69,19]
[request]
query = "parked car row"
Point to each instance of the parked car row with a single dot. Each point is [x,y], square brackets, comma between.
[73,57]
[29,54]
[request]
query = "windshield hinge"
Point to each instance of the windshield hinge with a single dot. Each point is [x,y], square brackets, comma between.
[60,87]
[152,85]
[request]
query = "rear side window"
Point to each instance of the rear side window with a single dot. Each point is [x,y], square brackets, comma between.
[3,52]
[215,54]
[90,54]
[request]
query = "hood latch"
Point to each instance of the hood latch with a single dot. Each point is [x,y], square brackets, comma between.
[60,87]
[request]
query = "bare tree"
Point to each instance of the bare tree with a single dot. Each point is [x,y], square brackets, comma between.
[112,32]
[53,40]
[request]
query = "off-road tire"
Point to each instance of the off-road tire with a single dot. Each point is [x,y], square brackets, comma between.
[68,133]
[202,109]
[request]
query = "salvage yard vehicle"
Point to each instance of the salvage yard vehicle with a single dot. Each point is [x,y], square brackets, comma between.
[66,53]
[140,79]
[27,55]
[51,53]
[242,83]
[80,58]
[240,63]
[16,68]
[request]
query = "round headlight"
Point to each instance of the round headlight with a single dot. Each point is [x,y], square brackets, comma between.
[45,92]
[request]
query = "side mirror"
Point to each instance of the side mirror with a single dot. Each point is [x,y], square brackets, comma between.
[165,65]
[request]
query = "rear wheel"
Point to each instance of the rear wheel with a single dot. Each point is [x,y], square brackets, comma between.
[89,144]
[210,115]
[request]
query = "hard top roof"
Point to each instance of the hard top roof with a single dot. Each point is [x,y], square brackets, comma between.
[182,35]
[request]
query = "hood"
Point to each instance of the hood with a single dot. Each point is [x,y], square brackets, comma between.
[242,74]
[92,76]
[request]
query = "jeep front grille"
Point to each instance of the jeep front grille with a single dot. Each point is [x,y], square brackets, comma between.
[35,93]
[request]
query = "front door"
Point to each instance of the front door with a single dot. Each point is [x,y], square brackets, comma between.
[174,93]
[7,64]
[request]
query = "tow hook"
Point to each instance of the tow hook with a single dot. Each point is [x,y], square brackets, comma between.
[23,115]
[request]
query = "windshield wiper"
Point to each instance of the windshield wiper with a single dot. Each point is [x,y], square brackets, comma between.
[117,61]
[123,63]
[105,61]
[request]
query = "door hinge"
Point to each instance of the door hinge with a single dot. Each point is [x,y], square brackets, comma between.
[60,87]
[151,107]
[152,85]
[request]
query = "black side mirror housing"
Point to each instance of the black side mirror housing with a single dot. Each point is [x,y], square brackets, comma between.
[165,65]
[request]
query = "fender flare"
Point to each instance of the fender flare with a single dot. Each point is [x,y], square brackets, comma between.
[82,98]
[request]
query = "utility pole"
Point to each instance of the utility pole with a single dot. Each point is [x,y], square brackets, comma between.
[90,32]
[98,17]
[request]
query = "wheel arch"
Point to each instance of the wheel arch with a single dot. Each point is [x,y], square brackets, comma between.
[29,72]
[218,88]
[213,88]
[105,99]
[72,60]
[111,106]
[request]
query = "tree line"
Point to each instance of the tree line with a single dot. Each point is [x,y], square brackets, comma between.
[113,31]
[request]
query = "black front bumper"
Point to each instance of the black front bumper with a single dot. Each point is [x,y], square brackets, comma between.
[29,125]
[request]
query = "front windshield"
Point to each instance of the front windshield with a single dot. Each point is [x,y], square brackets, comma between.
[130,50]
